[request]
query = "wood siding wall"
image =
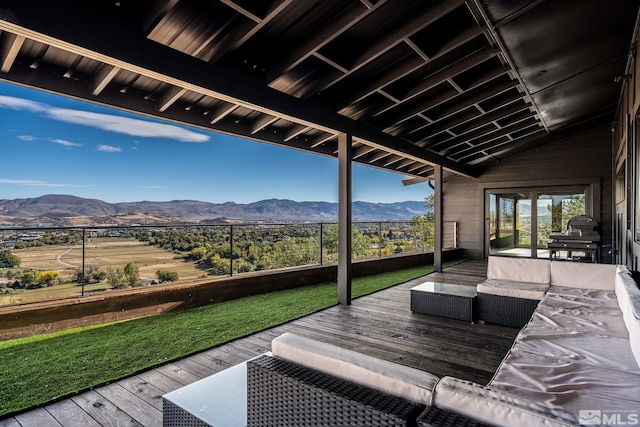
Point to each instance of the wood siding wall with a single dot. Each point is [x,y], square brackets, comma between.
[583,159]
[626,144]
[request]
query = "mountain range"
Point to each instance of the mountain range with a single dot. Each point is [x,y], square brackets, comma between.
[58,207]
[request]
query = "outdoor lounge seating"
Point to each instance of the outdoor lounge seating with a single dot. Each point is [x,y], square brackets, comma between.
[512,291]
[576,360]
[308,382]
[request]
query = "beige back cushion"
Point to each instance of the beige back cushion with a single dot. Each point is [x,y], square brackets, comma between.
[519,269]
[583,275]
[628,295]
[403,381]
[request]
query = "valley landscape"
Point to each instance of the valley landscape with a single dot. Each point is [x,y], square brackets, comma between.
[67,210]
[59,246]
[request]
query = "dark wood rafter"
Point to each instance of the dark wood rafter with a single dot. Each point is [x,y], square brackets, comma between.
[415,82]
[297,110]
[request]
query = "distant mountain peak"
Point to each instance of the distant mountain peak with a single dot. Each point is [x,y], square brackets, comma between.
[64,206]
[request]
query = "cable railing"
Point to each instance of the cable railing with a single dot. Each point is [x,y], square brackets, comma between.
[43,263]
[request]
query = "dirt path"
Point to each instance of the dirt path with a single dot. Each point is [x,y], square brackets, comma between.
[60,255]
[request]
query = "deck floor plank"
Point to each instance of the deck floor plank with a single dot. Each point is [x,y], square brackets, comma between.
[137,408]
[159,380]
[380,324]
[103,411]
[38,417]
[195,367]
[179,374]
[145,391]
[69,414]
[9,422]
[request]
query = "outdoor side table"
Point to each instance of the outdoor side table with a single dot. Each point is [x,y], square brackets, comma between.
[444,300]
[219,400]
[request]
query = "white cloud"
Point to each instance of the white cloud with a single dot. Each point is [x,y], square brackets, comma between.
[13,103]
[107,122]
[20,182]
[126,125]
[66,143]
[108,148]
[34,183]
[27,138]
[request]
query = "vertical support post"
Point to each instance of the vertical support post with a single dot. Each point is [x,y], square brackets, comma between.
[83,258]
[231,250]
[455,234]
[345,155]
[437,211]
[320,244]
[534,224]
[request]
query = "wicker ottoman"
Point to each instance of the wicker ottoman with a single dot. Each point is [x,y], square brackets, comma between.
[504,310]
[444,299]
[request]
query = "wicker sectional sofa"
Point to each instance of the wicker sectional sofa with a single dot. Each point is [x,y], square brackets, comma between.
[575,362]
[304,382]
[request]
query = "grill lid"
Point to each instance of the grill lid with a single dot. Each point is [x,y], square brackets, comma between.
[580,228]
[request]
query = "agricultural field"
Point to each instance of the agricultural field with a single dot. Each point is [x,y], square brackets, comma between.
[103,253]
[49,263]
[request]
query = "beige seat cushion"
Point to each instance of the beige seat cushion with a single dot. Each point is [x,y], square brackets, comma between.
[506,288]
[495,407]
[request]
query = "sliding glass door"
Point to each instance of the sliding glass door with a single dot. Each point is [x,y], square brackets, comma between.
[509,231]
[512,215]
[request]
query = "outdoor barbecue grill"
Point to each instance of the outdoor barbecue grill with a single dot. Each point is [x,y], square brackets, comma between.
[582,235]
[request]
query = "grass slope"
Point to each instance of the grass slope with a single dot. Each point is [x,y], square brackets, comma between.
[40,369]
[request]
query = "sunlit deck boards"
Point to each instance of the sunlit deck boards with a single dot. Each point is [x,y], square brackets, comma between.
[380,324]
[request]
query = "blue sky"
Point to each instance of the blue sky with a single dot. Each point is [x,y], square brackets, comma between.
[57,145]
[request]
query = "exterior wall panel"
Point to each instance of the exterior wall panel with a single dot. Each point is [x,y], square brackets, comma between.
[582,159]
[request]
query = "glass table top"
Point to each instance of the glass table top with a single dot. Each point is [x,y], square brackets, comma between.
[446,288]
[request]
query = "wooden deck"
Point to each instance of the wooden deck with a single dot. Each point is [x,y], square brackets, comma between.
[380,324]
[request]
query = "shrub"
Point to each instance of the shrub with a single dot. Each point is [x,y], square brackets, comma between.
[166,276]
[7,259]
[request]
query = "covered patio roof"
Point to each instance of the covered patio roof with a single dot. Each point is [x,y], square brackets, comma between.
[460,84]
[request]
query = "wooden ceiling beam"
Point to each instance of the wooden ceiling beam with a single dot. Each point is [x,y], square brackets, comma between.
[10,48]
[103,78]
[437,9]
[236,39]
[263,121]
[81,32]
[169,97]
[318,39]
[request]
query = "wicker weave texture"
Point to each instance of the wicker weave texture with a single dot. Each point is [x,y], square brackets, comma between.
[505,310]
[281,393]
[443,305]
[175,416]
[435,417]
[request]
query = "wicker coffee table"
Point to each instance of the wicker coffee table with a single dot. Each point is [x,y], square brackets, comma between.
[444,299]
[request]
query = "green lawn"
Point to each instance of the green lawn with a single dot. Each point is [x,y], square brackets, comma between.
[39,369]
